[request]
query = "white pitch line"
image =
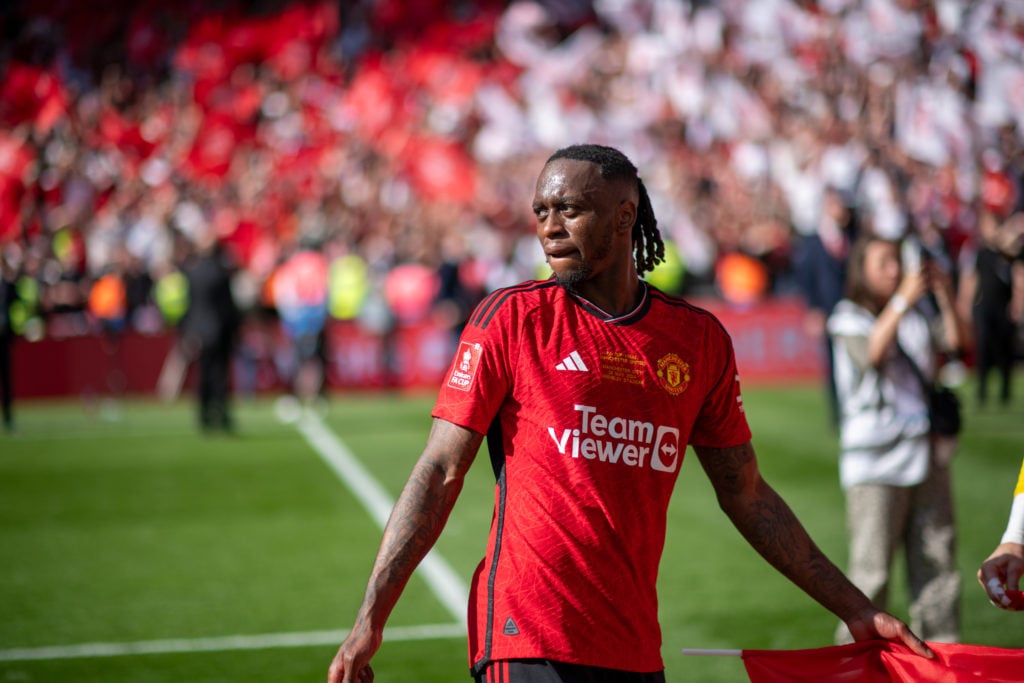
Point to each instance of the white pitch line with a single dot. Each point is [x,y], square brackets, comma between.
[439,575]
[254,642]
[446,584]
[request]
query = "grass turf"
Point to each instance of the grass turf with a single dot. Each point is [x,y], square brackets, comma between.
[140,528]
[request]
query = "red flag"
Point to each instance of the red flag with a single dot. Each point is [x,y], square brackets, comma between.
[31,93]
[879,661]
[373,101]
[440,170]
[214,147]
[16,158]
[998,194]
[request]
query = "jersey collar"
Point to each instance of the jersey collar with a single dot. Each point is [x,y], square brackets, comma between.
[626,318]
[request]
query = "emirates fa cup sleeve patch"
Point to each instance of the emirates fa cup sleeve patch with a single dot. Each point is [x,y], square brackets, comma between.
[467,359]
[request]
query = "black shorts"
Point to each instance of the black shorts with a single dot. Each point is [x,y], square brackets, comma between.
[545,671]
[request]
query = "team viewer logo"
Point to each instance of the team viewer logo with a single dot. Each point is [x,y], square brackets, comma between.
[665,454]
[673,374]
[619,440]
[464,367]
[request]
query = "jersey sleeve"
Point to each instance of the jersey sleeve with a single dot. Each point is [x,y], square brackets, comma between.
[1015,525]
[479,377]
[721,422]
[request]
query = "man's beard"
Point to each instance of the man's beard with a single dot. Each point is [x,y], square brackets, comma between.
[581,273]
[569,281]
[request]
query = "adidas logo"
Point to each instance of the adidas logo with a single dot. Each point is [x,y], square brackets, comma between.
[510,628]
[573,363]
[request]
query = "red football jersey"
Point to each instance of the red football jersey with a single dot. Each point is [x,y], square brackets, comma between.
[587,418]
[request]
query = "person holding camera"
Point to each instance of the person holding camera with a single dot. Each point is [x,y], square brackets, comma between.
[894,466]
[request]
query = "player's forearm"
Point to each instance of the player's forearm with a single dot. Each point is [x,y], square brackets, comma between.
[414,526]
[418,517]
[770,526]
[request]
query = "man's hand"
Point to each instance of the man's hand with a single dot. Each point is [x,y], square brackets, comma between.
[873,624]
[1000,576]
[415,523]
[352,662]
[772,529]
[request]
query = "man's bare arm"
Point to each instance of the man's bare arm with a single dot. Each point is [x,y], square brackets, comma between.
[771,528]
[416,522]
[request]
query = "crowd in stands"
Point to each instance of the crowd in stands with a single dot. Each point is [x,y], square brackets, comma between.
[388,133]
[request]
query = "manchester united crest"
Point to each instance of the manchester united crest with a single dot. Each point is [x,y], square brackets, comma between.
[673,374]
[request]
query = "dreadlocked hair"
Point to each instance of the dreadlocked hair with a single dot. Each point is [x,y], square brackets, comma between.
[648,247]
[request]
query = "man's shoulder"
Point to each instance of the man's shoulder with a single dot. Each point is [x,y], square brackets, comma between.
[682,304]
[683,311]
[519,298]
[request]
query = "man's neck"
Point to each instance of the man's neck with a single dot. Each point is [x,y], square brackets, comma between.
[615,301]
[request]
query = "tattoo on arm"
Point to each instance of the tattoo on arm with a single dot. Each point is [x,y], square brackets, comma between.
[771,528]
[419,514]
[726,467]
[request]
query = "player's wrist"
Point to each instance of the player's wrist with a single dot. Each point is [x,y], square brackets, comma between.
[853,606]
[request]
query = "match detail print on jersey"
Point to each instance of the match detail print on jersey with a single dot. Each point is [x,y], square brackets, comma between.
[464,369]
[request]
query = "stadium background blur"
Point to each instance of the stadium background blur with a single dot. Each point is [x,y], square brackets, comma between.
[399,141]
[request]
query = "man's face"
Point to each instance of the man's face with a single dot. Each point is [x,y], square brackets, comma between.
[577,214]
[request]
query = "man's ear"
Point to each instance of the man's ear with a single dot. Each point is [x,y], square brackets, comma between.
[626,215]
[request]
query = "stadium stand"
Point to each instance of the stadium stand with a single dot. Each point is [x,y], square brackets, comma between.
[386,134]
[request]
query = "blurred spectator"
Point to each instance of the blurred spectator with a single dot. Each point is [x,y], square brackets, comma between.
[300,291]
[8,295]
[364,122]
[209,329]
[107,307]
[821,273]
[458,288]
[992,294]
[893,467]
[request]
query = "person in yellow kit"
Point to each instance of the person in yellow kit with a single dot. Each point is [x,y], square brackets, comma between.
[1000,574]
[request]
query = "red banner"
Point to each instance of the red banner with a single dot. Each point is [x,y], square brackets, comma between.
[881,661]
[771,340]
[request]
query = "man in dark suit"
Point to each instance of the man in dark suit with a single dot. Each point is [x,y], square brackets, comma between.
[8,293]
[209,329]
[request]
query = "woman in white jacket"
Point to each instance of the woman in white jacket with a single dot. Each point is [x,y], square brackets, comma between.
[894,471]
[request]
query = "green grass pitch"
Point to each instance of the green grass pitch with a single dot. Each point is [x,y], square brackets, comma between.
[140,530]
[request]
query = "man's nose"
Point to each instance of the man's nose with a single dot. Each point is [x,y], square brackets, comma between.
[550,226]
